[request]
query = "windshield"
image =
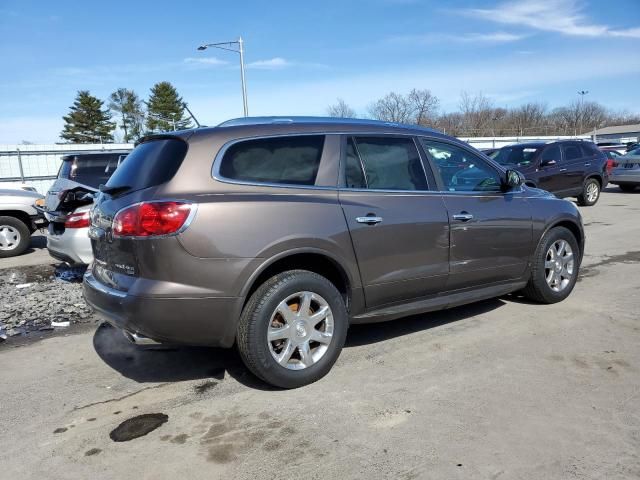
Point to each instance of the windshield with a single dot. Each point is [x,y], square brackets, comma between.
[90,169]
[516,155]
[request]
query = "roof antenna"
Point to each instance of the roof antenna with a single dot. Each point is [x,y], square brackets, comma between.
[192,115]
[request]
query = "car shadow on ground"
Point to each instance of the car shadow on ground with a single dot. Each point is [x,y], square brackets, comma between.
[36,243]
[616,189]
[172,364]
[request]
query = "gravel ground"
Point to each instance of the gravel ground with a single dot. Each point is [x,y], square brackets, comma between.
[40,299]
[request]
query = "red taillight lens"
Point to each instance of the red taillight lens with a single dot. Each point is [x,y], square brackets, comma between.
[148,219]
[77,220]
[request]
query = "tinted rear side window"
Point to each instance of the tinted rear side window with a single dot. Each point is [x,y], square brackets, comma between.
[285,160]
[91,169]
[571,152]
[149,164]
[390,163]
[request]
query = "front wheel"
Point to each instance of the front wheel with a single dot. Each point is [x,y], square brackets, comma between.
[555,267]
[14,237]
[590,193]
[292,329]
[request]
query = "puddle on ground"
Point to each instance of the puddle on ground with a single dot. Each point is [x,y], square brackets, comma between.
[29,274]
[138,426]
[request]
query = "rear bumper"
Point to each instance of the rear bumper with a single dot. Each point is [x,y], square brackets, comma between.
[185,320]
[72,246]
[628,176]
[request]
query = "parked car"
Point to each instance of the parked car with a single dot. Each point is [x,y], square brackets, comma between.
[611,154]
[489,151]
[567,168]
[69,200]
[17,186]
[626,171]
[18,220]
[277,234]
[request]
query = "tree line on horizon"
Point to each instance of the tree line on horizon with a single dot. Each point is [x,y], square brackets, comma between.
[90,121]
[478,116]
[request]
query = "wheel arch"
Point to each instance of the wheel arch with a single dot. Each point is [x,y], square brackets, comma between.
[20,215]
[570,225]
[312,259]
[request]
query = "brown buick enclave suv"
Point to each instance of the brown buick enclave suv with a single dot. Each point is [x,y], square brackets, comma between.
[277,234]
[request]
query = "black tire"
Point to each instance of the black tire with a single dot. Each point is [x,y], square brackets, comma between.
[583,198]
[255,320]
[22,232]
[627,187]
[538,289]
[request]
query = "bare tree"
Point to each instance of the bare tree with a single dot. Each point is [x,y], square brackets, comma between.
[418,107]
[478,113]
[393,107]
[425,107]
[451,123]
[340,109]
[528,119]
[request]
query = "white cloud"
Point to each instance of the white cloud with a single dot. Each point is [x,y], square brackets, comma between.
[431,38]
[271,64]
[629,32]
[205,61]
[562,16]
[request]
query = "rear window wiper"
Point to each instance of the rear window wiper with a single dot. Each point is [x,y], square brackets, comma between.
[114,190]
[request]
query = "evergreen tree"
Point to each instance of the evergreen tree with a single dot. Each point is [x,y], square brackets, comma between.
[165,109]
[87,122]
[128,106]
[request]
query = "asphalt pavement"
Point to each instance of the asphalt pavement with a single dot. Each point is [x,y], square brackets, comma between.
[500,389]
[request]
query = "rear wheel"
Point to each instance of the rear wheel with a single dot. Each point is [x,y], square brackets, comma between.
[292,329]
[627,187]
[14,237]
[555,267]
[590,193]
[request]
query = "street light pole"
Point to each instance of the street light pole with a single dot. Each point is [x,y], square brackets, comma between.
[582,93]
[240,50]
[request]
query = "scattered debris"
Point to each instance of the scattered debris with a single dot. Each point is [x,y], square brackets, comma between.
[92,451]
[60,430]
[203,387]
[138,426]
[33,301]
[61,324]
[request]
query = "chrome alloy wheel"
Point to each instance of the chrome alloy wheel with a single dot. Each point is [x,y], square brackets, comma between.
[9,237]
[592,192]
[300,330]
[559,265]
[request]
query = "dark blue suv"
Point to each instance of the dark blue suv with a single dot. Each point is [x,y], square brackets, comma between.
[567,168]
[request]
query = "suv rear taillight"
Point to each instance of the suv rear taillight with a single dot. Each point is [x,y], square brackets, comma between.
[77,220]
[149,219]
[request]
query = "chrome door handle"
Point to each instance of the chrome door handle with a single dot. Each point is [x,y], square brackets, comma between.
[587,164]
[562,170]
[464,217]
[369,220]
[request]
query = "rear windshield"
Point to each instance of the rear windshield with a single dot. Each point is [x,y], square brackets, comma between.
[286,160]
[90,169]
[517,155]
[149,164]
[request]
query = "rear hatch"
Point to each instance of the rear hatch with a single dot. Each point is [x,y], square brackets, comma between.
[150,165]
[80,173]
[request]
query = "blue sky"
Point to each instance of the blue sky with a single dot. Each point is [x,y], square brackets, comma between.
[302,55]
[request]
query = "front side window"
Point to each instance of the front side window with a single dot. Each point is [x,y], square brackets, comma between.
[551,154]
[571,152]
[390,163]
[292,160]
[461,170]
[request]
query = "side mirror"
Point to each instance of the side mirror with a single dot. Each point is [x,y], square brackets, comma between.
[513,179]
[548,163]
